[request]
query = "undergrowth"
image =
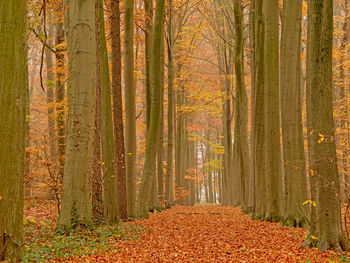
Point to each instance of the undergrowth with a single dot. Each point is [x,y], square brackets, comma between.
[43,244]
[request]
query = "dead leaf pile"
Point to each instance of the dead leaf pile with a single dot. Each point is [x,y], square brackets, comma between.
[212,234]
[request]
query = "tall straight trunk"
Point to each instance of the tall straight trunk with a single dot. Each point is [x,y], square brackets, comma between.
[272,149]
[96,180]
[251,191]
[50,84]
[130,108]
[13,89]
[110,180]
[326,224]
[60,92]
[169,195]
[118,109]
[180,149]
[342,99]
[259,117]
[291,113]
[241,151]
[81,45]
[160,157]
[148,50]
[153,133]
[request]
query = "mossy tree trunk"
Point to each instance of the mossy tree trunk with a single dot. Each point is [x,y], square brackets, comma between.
[13,89]
[81,46]
[326,226]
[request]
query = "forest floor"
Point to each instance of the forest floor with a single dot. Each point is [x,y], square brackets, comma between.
[193,234]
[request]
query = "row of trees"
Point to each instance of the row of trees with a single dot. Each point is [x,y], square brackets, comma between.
[97,170]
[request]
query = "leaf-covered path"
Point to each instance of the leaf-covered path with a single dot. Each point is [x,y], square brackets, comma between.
[212,234]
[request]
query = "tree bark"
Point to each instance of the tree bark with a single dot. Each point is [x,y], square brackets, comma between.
[118,109]
[272,149]
[130,108]
[326,227]
[97,201]
[13,92]
[81,46]
[291,113]
[154,129]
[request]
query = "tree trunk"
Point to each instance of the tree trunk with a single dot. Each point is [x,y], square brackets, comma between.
[81,46]
[130,108]
[259,117]
[97,202]
[241,151]
[153,133]
[118,109]
[169,195]
[13,89]
[110,181]
[326,227]
[291,113]
[272,149]
[60,92]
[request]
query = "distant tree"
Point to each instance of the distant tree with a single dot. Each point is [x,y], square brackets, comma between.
[13,92]
[169,195]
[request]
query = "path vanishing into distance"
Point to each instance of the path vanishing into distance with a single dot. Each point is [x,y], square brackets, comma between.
[211,234]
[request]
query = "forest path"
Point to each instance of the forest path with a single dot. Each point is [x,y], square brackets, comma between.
[212,234]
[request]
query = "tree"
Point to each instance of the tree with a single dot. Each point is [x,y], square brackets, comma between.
[130,108]
[326,226]
[96,180]
[110,167]
[258,107]
[13,92]
[154,129]
[60,91]
[291,113]
[272,147]
[169,195]
[241,151]
[81,46]
[118,108]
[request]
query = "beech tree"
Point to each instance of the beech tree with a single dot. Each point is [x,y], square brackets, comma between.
[154,129]
[130,108]
[13,92]
[291,113]
[81,46]
[326,226]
